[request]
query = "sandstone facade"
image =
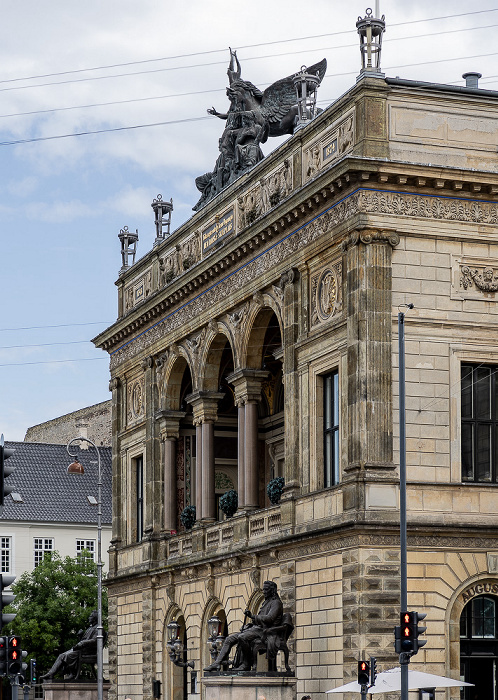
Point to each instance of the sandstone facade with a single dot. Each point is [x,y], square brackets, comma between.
[221,374]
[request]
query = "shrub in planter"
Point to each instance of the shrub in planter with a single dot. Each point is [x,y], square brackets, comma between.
[275,489]
[187,516]
[229,503]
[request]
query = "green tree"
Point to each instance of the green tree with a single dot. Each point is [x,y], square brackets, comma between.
[53,603]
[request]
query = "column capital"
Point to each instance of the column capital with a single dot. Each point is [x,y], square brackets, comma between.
[169,423]
[205,405]
[247,384]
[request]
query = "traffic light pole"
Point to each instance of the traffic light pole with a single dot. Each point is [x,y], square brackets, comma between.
[404,659]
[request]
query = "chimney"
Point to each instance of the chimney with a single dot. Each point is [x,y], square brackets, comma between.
[82,431]
[472,79]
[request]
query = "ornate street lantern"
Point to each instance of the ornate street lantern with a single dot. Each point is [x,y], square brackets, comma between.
[215,640]
[128,247]
[175,645]
[370,30]
[306,86]
[162,215]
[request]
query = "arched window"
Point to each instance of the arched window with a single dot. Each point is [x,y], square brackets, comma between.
[479,647]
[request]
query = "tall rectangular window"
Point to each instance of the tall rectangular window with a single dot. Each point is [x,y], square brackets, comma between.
[87,546]
[331,428]
[479,423]
[139,467]
[42,546]
[5,555]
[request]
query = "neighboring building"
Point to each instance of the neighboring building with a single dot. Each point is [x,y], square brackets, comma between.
[92,422]
[48,509]
[260,339]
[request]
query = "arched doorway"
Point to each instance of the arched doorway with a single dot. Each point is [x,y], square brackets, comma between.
[479,648]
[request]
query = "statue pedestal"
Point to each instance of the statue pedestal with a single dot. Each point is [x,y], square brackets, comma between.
[73,690]
[250,687]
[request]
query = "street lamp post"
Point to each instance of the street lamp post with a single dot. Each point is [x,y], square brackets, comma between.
[77,468]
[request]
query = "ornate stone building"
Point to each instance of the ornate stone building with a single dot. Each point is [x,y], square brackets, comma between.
[259,339]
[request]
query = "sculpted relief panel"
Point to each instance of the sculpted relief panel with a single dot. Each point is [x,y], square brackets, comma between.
[266,195]
[332,145]
[136,292]
[474,278]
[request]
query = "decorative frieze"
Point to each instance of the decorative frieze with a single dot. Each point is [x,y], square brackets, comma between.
[474,278]
[362,201]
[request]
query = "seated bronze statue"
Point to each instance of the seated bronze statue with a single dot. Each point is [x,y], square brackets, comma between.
[267,633]
[69,663]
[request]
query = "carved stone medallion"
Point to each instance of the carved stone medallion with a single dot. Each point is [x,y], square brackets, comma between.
[325,294]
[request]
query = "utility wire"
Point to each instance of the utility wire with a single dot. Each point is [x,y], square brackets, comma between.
[52,362]
[102,131]
[247,46]
[59,325]
[203,92]
[194,119]
[43,345]
[196,65]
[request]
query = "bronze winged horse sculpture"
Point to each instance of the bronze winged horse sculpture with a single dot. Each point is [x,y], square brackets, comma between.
[252,117]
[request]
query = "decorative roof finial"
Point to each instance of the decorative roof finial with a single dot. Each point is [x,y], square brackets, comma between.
[370,30]
[128,247]
[162,216]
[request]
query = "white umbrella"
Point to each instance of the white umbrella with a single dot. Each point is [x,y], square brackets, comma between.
[390,680]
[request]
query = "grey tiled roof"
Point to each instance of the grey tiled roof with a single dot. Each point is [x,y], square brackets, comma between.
[48,493]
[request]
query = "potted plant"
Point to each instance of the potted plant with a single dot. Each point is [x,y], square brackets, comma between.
[229,503]
[275,489]
[187,516]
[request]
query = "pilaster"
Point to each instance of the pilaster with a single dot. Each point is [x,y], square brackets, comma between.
[369,289]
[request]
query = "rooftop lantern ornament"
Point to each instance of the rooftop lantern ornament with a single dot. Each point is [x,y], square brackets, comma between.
[128,247]
[162,214]
[215,640]
[175,645]
[370,30]
[306,86]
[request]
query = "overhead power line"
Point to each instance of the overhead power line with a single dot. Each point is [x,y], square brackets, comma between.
[52,362]
[59,325]
[247,46]
[204,92]
[204,118]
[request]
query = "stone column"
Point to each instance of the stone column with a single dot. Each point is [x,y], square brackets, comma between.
[169,426]
[240,451]
[198,468]
[369,323]
[205,406]
[153,477]
[247,385]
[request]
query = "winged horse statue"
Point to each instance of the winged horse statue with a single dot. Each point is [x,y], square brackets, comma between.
[252,117]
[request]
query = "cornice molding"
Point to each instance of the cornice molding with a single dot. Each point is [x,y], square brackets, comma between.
[365,199]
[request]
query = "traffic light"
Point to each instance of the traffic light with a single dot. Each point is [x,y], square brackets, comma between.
[33,675]
[407,634]
[373,670]
[3,656]
[14,655]
[5,471]
[363,672]
[6,598]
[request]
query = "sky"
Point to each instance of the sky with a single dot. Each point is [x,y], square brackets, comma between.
[103,107]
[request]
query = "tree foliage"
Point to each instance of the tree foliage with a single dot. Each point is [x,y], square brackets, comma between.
[53,603]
